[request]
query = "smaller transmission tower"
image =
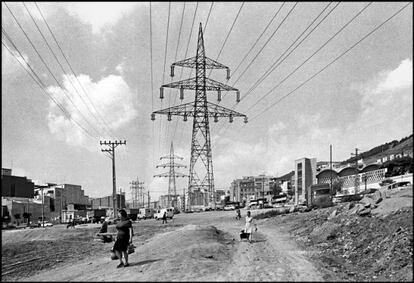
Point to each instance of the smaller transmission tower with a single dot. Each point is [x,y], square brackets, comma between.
[171,175]
[135,192]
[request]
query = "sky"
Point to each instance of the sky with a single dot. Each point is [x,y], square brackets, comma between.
[360,100]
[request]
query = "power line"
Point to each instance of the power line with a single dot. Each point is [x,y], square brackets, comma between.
[47,67]
[57,60]
[277,62]
[73,72]
[152,85]
[185,56]
[40,83]
[175,59]
[251,62]
[228,34]
[313,54]
[208,17]
[257,40]
[163,74]
[333,61]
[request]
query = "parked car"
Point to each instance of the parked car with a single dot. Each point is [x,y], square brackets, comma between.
[45,224]
[229,207]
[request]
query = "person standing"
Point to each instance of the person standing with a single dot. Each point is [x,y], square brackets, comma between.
[123,238]
[238,215]
[164,217]
[248,229]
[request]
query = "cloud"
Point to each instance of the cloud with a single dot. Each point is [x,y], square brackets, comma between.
[112,108]
[398,79]
[275,153]
[387,100]
[100,14]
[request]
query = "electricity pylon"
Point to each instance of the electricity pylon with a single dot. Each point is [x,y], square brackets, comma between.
[171,174]
[136,188]
[201,178]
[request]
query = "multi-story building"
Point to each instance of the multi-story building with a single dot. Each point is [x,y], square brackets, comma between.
[60,196]
[251,187]
[106,202]
[305,175]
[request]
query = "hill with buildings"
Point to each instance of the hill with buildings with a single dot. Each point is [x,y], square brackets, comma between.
[404,146]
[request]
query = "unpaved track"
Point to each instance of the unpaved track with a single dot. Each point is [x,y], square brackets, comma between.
[273,256]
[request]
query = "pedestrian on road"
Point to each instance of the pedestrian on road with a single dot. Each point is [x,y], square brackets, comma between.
[238,216]
[123,238]
[249,226]
[164,217]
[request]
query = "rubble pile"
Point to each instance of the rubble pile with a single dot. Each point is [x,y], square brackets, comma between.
[356,244]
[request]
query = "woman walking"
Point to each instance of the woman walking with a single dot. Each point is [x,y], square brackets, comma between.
[123,238]
[248,229]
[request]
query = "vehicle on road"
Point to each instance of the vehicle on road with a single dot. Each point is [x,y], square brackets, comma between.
[229,207]
[45,224]
[160,212]
[145,213]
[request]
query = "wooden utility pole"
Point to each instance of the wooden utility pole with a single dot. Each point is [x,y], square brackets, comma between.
[330,165]
[111,151]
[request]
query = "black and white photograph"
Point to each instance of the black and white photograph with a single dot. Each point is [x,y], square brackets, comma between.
[207,141]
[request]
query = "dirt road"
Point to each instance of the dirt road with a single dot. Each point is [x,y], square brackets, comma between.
[198,247]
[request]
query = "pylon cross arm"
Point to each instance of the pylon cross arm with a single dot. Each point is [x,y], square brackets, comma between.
[210,85]
[165,175]
[187,109]
[171,157]
[170,165]
[191,63]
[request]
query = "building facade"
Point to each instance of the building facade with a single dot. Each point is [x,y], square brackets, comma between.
[251,187]
[106,202]
[15,186]
[305,175]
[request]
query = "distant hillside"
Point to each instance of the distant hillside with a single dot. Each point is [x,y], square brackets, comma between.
[286,177]
[393,147]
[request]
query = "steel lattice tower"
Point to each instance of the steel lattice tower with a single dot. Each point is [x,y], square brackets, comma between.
[201,165]
[171,174]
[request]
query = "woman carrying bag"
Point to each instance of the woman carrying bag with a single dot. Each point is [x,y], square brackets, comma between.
[123,243]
